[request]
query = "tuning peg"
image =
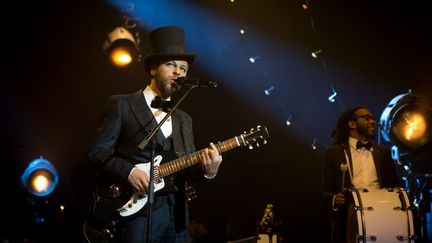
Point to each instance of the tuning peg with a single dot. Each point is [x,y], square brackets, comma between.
[264,141]
[250,147]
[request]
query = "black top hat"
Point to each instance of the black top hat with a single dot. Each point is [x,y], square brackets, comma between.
[168,44]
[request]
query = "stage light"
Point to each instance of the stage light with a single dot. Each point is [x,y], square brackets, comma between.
[315,54]
[331,97]
[269,90]
[40,178]
[313,145]
[253,59]
[288,120]
[407,122]
[121,47]
[242,32]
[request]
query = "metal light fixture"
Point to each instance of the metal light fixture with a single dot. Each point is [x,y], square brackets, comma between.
[122,47]
[407,122]
[40,178]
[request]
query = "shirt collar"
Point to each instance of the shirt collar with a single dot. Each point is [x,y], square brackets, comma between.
[149,96]
[353,142]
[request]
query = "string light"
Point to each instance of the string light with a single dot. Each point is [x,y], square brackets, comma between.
[318,55]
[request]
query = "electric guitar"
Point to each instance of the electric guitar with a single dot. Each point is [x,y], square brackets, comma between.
[121,201]
[267,219]
[266,223]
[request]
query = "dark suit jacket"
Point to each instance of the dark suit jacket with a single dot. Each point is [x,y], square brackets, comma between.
[125,123]
[332,174]
[332,182]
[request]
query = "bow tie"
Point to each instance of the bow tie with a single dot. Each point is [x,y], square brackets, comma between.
[367,145]
[164,105]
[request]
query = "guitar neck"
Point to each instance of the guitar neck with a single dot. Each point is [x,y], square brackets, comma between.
[191,159]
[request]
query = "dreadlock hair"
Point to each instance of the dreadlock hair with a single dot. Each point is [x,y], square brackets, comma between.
[341,133]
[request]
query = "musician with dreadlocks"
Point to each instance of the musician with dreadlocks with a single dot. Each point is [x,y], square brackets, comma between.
[353,162]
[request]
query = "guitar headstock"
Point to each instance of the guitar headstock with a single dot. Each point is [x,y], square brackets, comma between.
[255,137]
[266,222]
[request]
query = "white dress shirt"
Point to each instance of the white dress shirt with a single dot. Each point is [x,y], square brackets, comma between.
[363,167]
[149,96]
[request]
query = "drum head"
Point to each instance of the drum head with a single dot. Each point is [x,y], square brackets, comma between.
[381,215]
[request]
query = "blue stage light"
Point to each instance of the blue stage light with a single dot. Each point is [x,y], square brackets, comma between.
[331,98]
[269,90]
[40,177]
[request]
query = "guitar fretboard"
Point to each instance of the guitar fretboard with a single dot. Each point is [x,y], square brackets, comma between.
[191,159]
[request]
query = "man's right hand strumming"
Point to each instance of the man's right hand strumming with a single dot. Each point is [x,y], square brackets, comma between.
[139,179]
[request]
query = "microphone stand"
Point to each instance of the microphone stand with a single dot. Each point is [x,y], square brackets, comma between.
[142,145]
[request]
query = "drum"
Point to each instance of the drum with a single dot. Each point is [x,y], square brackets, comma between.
[382,215]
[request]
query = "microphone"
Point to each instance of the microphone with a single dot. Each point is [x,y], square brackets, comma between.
[190,82]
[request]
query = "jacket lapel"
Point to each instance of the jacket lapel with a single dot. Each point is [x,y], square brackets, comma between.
[143,114]
[377,162]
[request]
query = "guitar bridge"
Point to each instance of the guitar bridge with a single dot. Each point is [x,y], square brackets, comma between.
[156,178]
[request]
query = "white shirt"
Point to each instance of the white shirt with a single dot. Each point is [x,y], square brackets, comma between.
[363,171]
[149,96]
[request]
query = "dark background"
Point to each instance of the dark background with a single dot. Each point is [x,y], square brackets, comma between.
[55,82]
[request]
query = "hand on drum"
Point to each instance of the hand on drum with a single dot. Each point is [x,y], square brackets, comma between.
[339,200]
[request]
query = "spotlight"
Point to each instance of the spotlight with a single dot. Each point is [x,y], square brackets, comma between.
[315,54]
[331,97]
[269,90]
[313,145]
[288,120]
[407,121]
[253,59]
[121,47]
[40,178]
[242,32]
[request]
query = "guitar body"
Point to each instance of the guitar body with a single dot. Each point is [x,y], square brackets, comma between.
[118,201]
[121,202]
[138,200]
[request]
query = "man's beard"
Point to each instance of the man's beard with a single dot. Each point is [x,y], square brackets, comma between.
[165,87]
[364,131]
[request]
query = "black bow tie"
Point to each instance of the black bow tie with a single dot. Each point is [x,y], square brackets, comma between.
[367,145]
[164,105]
